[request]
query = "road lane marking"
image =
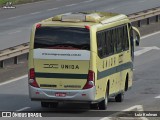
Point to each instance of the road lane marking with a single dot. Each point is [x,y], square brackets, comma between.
[13,80]
[149,35]
[142,1]
[52,9]
[145,49]
[88,1]
[14,17]
[157,96]
[35,13]
[138,107]
[22,109]
[70,5]
[15,32]
[67,13]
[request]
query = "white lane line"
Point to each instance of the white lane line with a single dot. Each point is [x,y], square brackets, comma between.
[67,13]
[13,80]
[35,13]
[141,1]
[22,109]
[149,35]
[145,49]
[52,9]
[70,5]
[14,17]
[14,32]
[137,107]
[88,1]
[157,96]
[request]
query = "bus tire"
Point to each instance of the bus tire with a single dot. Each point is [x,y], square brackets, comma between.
[103,104]
[53,104]
[93,106]
[119,97]
[45,104]
[126,83]
[49,104]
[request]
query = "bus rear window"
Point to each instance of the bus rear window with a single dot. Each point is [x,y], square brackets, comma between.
[62,38]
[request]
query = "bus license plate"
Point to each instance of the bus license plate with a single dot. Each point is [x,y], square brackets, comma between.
[60,94]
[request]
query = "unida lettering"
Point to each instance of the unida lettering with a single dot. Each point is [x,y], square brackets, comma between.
[69,66]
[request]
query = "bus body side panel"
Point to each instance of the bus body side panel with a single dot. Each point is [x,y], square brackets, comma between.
[107,73]
[113,68]
[127,60]
[99,85]
[126,68]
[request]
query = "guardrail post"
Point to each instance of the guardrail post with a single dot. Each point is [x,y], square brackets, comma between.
[157,18]
[148,21]
[16,60]
[139,23]
[2,64]
[27,56]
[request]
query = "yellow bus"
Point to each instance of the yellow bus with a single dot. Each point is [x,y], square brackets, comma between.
[83,57]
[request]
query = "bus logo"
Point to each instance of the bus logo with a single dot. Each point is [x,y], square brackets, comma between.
[50,66]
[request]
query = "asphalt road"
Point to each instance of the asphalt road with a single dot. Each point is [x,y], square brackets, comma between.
[15,24]
[146,87]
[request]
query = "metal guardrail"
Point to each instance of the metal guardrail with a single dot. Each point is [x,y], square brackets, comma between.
[136,18]
[13,52]
[145,15]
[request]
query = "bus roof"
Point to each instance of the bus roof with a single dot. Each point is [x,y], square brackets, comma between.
[86,17]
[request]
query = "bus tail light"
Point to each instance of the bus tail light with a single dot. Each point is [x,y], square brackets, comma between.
[87,27]
[90,80]
[32,80]
[38,26]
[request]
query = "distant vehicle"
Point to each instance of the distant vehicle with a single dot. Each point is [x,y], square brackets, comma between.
[81,57]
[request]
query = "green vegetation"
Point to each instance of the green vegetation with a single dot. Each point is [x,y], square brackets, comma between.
[3,2]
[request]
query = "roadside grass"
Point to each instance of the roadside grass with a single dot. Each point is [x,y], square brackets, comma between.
[15,2]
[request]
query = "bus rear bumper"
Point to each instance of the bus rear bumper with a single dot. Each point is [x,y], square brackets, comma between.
[39,94]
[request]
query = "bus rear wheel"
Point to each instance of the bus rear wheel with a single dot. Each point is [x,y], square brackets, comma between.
[44,104]
[103,104]
[49,104]
[119,97]
[94,106]
[53,104]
